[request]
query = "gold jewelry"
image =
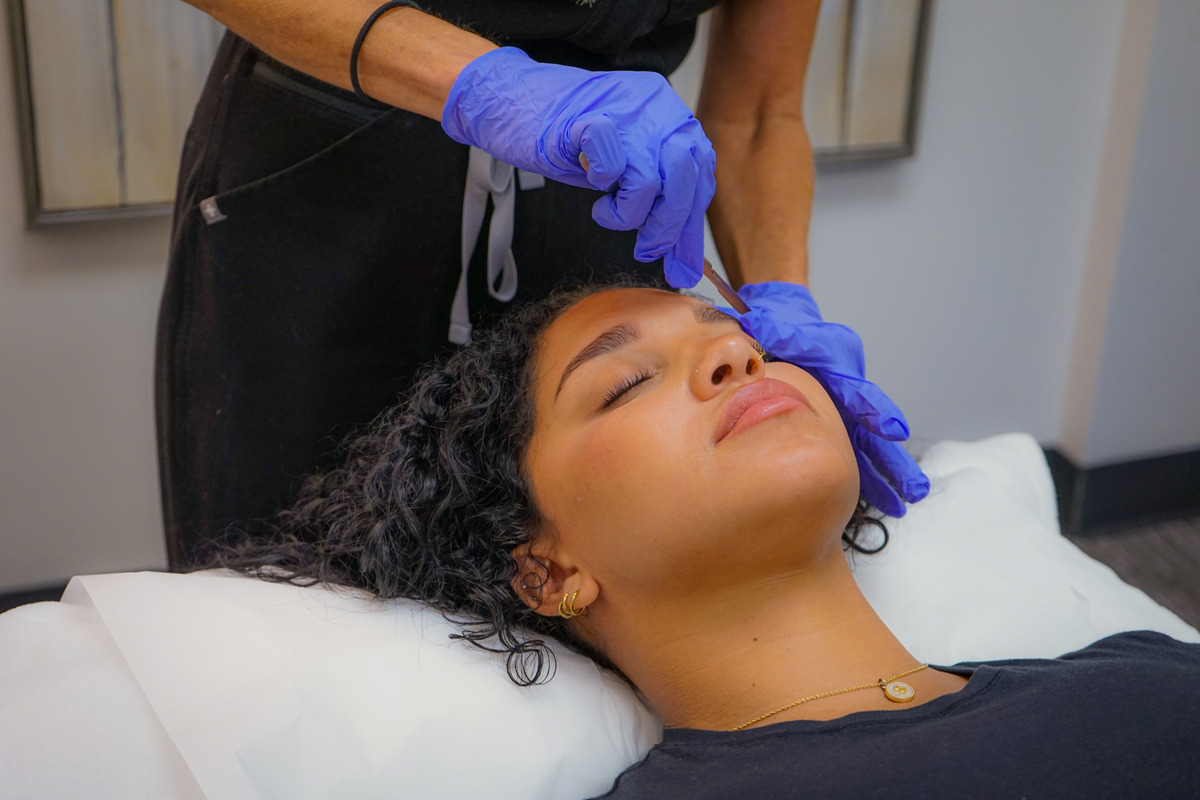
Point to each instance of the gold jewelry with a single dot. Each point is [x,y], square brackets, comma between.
[893,689]
[566,606]
[762,352]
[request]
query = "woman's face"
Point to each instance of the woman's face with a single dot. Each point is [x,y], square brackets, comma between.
[665,451]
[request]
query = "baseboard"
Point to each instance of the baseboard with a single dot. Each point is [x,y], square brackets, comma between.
[1142,489]
[13,599]
[1066,485]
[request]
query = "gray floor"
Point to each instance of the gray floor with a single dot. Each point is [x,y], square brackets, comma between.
[1161,558]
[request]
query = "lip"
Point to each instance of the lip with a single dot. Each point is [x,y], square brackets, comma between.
[756,402]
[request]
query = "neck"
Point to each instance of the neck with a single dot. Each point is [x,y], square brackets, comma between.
[717,661]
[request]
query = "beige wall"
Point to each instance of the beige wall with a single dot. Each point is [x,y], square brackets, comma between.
[1147,387]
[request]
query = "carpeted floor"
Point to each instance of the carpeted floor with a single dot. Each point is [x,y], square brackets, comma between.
[1162,558]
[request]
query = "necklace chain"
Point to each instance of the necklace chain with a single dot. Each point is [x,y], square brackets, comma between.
[881,683]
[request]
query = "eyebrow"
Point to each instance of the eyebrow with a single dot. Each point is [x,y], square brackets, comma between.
[611,340]
[705,313]
[625,334]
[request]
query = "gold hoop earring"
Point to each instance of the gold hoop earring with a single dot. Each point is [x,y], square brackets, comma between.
[566,606]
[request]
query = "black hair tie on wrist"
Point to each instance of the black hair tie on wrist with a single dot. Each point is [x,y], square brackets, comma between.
[362,34]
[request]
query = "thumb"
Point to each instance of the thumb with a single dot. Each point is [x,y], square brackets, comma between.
[602,155]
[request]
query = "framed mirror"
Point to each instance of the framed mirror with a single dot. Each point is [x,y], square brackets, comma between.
[105,92]
[862,92]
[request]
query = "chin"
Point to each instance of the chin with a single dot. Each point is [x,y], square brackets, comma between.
[817,483]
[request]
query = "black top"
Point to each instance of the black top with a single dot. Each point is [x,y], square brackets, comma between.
[652,35]
[1120,718]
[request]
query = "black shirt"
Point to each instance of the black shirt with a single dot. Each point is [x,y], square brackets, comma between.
[652,35]
[1120,718]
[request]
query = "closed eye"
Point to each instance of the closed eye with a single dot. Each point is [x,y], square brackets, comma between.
[617,392]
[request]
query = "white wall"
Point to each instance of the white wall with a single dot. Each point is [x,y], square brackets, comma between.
[1147,397]
[960,266]
[78,480]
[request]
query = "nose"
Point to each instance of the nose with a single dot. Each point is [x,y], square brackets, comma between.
[725,360]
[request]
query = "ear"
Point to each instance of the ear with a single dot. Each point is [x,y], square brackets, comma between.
[543,577]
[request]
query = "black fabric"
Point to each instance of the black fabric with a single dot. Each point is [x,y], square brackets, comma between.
[1118,719]
[653,35]
[306,310]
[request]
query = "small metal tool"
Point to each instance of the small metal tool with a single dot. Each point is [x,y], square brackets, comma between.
[725,289]
[722,285]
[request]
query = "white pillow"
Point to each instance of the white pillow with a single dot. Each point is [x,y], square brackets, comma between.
[73,721]
[979,569]
[272,691]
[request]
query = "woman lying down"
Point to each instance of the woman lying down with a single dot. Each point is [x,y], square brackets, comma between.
[624,471]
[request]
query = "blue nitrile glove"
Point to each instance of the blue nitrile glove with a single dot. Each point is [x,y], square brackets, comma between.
[785,320]
[638,136]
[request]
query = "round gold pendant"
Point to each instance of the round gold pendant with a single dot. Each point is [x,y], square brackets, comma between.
[899,692]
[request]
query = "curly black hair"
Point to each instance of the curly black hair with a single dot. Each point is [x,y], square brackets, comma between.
[432,498]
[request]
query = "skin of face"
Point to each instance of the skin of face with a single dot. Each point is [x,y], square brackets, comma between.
[639,495]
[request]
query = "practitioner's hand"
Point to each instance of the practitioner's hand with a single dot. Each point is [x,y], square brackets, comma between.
[784,318]
[643,146]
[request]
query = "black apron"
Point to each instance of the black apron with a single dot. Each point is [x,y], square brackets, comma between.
[315,255]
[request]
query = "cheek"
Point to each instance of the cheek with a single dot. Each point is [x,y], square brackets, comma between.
[621,481]
[626,465]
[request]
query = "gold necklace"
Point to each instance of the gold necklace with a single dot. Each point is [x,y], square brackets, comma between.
[893,689]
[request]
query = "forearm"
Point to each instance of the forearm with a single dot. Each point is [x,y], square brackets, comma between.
[409,59]
[752,108]
[760,213]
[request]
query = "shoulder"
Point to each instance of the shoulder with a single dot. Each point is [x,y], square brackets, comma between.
[1143,641]
[648,778]
[1138,646]
[1142,659]
[1146,646]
